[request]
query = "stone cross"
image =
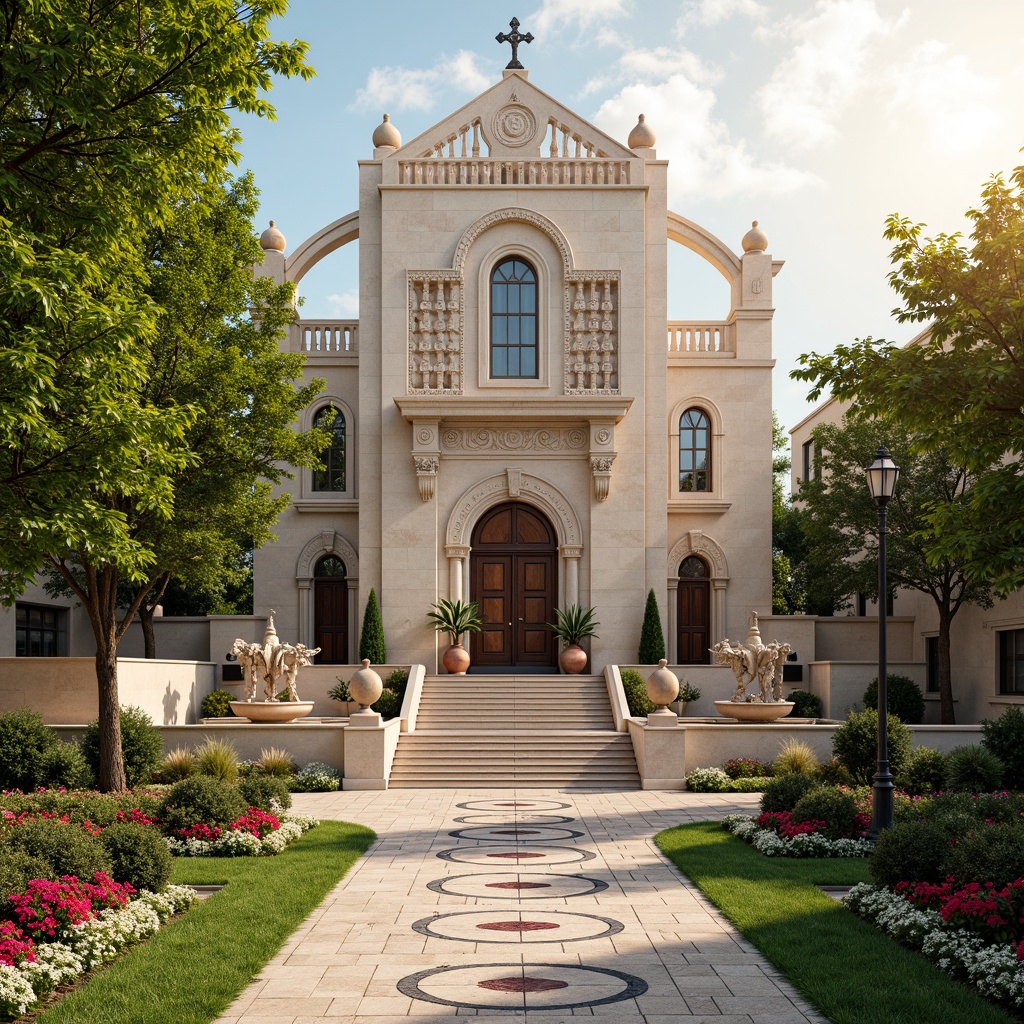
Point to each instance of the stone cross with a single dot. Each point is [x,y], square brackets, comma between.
[514,38]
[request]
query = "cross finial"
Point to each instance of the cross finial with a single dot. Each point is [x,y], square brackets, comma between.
[514,38]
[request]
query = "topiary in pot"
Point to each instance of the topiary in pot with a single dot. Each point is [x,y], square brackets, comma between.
[24,738]
[572,626]
[855,744]
[652,640]
[904,698]
[138,855]
[371,639]
[973,769]
[1004,737]
[455,618]
[141,746]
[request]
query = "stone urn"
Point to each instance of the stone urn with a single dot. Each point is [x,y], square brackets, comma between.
[272,710]
[662,690]
[572,660]
[365,686]
[754,711]
[455,660]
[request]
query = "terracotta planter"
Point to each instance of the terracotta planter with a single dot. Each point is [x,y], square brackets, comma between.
[456,660]
[572,660]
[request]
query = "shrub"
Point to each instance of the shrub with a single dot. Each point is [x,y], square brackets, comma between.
[989,853]
[637,701]
[912,851]
[652,640]
[217,704]
[754,785]
[973,768]
[17,869]
[903,698]
[138,855]
[855,743]
[807,704]
[201,800]
[832,805]
[277,762]
[746,768]
[388,704]
[141,746]
[371,639]
[262,790]
[397,681]
[64,765]
[924,772]
[707,780]
[217,759]
[688,693]
[69,849]
[24,738]
[795,758]
[317,778]
[783,792]
[1004,737]
[834,773]
[340,691]
[177,764]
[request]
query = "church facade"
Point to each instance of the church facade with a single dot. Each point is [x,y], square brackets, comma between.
[515,420]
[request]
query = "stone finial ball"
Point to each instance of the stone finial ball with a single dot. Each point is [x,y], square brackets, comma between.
[365,686]
[662,685]
[386,135]
[272,238]
[755,240]
[642,136]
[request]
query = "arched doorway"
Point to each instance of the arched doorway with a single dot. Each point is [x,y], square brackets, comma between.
[330,615]
[514,579]
[694,612]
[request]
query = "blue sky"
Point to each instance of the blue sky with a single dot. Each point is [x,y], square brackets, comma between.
[818,118]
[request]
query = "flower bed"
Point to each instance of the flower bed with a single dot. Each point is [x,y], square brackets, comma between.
[255,834]
[63,929]
[775,835]
[994,966]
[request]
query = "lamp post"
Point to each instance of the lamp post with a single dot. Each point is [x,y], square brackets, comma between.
[882,475]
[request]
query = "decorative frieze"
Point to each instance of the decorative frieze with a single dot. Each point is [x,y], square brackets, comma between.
[537,440]
[436,359]
[591,333]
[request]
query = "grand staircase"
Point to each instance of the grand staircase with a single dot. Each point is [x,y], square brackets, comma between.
[524,731]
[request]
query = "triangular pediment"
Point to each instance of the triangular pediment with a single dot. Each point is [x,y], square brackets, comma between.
[514,120]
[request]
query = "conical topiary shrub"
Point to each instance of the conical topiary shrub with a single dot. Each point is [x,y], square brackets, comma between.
[371,640]
[652,640]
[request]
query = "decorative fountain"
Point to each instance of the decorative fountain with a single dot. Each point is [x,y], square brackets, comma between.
[749,661]
[272,661]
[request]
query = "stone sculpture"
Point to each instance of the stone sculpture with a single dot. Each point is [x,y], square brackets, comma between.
[754,660]
[273,661]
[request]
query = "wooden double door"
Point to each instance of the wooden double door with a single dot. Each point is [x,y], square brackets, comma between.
[514,580]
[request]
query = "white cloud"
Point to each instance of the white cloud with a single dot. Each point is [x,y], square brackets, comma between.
[398,88]
[708,13]
[344,306]
[704,160]
[940,90]
[826,70]
[553,15]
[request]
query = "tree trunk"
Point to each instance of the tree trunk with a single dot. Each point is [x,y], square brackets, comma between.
[946,707]
[112,777]
[146,621]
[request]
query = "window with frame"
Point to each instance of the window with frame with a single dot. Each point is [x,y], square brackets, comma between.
[332,476]
[1011,661]
[811,465]
[931,661]
[40,632]
[514,320]
[694,451]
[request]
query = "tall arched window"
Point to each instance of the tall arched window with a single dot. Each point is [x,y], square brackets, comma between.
[694,451]
[513,319]
[332,476]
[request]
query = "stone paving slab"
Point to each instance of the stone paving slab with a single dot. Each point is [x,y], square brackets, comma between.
[448,917]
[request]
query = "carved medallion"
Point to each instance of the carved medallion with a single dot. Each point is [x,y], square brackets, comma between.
[514,125]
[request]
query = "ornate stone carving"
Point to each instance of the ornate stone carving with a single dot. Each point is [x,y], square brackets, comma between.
[514,213]
[436,360]
[754,660]
[514,125]
[328,542]
[591,333]
[426,474]
[697,543]
[601,469]
[515,482]
[491,439]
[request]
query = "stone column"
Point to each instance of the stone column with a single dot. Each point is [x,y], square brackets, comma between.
[458,568]
[672,632]
[353,618]
[306,625]
[571,574]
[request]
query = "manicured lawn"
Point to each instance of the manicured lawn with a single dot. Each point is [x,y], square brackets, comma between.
[191,970]
[850,971]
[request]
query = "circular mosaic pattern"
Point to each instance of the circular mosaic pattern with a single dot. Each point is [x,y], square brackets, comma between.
[525,818]
[514,125]
[517,926]
[525,833]
[513,885]
[512,805]
[495,856]
[532,986]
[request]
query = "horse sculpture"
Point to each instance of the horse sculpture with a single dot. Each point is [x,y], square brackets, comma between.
[754,660]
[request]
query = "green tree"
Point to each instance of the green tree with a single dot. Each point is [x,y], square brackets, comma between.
[960,388]
[371,639]
[788,549]
[111,115]
[652,639]
[841,522]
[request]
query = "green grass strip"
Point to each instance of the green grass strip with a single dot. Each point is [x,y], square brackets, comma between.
[191,970]
[852,973]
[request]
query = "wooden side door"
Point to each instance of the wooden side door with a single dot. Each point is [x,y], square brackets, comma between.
[694,601]
[330,618]
[535,644]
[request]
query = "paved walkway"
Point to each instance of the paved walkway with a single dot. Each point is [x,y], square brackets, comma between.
[540,905]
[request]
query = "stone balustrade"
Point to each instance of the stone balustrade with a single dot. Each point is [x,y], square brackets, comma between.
[448,170]
[700,338]
[325,337]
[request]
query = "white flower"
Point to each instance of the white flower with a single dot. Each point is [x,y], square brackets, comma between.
[707,780]
[16,993]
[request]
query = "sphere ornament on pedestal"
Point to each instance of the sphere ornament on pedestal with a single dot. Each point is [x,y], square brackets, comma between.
[662,686]
[365,686]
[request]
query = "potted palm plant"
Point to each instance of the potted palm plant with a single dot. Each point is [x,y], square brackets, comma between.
[455,618]
[574,624]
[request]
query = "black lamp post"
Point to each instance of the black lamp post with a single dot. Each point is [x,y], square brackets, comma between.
[882,476]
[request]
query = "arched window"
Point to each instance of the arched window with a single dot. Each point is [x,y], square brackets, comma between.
[513,319]
[694,451]
[332,476]
[330,565]
[693,568]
